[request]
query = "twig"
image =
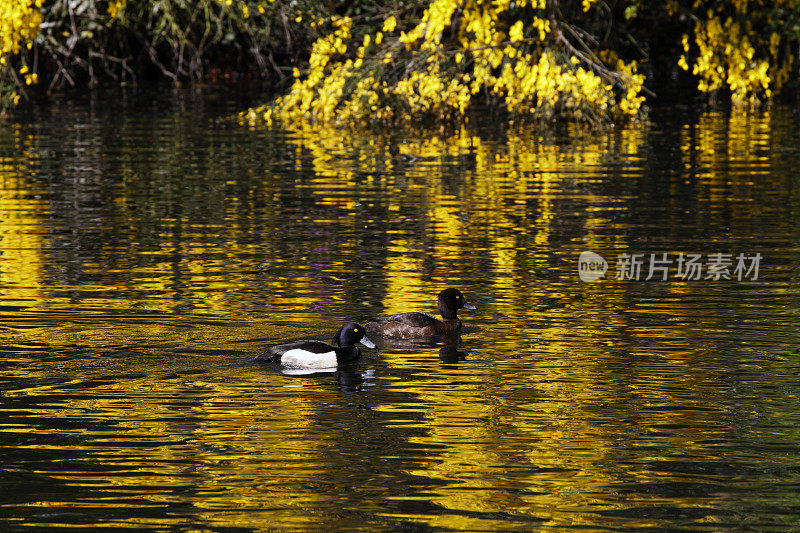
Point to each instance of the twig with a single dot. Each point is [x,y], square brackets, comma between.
[600,69]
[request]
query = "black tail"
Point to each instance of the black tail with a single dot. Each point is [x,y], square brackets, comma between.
[267,356]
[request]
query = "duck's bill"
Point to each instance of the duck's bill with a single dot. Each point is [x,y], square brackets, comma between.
[469,306]
[366,342]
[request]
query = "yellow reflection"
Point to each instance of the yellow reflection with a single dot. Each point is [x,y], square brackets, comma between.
[23,228]
[488,216]
[505,207]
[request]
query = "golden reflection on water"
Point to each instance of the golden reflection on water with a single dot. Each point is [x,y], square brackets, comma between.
[554,409]
[23,214]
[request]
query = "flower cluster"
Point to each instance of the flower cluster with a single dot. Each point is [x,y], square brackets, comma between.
[726,58]
[114,7]
[743,47]
[318,95]
[512,54]
[19,24]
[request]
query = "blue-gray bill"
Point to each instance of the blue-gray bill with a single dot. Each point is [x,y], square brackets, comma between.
[366,342]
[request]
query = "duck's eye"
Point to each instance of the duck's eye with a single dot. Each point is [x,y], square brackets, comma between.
[355,330]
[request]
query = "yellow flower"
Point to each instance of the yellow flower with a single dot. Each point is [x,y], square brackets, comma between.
[515,32]
[389,24]
[528,82]
[114,7]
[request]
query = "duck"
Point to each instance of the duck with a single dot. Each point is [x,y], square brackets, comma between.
[313,354]
[416,325]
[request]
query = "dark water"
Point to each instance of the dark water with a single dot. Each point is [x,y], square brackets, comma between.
[148,249]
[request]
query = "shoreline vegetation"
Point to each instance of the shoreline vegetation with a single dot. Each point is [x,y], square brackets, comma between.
[415,62]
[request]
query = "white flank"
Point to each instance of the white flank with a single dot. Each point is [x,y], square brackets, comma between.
[304,372]
[299,358]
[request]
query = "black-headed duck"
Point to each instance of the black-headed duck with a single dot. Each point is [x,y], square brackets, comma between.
[415,325]
[318,354]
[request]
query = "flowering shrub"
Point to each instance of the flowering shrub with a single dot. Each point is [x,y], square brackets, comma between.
[19,24]
[515,55]
[746,48]
[418,60]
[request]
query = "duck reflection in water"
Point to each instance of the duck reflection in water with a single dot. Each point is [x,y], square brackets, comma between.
[350,379]
[450,354]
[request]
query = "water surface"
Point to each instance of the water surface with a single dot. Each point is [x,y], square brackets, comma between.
[149,247]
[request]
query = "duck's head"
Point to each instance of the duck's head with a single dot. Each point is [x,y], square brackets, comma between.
[450,301]
[351,333]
